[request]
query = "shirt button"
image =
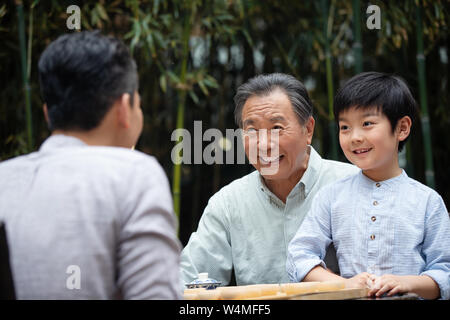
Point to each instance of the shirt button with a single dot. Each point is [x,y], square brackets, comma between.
[375,203]
[378,184]
[372,237]
[373,218]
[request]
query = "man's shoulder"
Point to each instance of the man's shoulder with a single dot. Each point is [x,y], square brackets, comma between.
[97,160]
[237,188]
[18,161]
[122,156]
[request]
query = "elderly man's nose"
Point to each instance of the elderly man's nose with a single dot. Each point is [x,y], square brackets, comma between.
[266,140]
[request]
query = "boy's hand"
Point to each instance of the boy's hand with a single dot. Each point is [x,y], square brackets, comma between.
[389,283]
[362,280]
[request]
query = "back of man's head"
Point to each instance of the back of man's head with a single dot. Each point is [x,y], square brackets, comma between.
[81,75]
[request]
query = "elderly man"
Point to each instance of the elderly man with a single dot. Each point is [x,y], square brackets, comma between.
[248,224]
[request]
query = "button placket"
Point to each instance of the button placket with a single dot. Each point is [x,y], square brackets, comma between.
[373,224]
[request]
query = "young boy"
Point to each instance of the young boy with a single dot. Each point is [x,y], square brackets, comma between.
[391,233]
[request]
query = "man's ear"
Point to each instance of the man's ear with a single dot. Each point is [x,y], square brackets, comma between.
[403,128]
[44,108]
[309,126]
[47,119]
[123,108]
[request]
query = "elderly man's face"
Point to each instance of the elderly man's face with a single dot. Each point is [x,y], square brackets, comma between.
[265,118]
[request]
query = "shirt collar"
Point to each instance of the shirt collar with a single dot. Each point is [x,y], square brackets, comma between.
[59,141]
[311,174]
[307,181]
[392,182]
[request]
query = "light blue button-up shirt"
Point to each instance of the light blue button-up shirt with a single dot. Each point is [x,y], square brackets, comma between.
[246,227]
[398,226]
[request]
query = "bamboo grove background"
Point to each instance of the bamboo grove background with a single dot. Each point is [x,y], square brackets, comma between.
[192,55]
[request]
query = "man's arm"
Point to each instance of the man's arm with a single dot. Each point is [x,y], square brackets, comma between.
[148,252]
[209,248]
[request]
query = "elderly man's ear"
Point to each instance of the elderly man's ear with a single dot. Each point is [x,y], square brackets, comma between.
[309,129]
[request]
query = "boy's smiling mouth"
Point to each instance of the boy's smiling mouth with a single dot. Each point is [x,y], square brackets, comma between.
[361,150]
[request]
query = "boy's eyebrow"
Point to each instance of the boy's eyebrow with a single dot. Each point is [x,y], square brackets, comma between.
[367,114]
[371,113]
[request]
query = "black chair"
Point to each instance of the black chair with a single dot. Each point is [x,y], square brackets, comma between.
[7,291]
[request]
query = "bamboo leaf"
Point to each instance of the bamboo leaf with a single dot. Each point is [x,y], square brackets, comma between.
[203,88]
[193,96]
[173,77]
[101,11]
[163,83]
[155,7]
[210,82]
[248,38]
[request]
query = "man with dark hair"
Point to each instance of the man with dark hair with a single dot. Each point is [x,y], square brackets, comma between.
[86,216]
[247,225]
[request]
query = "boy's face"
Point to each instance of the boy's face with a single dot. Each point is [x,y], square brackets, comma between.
[367,140]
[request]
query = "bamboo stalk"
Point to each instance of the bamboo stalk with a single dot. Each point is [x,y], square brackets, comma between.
[26,85]
[425,120]
[176,185]
[329,75]
[357,44]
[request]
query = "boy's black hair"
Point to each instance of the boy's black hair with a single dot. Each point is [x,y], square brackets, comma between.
[81,75]
[388,93]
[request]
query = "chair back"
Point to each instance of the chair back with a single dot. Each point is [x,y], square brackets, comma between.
[7,291]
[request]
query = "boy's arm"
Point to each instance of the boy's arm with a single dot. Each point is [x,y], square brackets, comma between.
[308,247]
[434,281]
[318,273]
[424,286]
[436,249]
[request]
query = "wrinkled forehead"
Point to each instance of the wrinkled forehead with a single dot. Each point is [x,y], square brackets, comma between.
[273,107]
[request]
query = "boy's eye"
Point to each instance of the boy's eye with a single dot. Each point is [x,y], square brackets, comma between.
[343,127]
[367,123]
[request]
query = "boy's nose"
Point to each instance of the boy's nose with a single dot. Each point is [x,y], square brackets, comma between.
[356,136]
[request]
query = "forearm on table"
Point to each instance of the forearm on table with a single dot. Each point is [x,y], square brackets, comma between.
[424,286]
[319,273]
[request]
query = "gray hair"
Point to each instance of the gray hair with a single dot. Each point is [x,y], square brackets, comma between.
[265,84]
